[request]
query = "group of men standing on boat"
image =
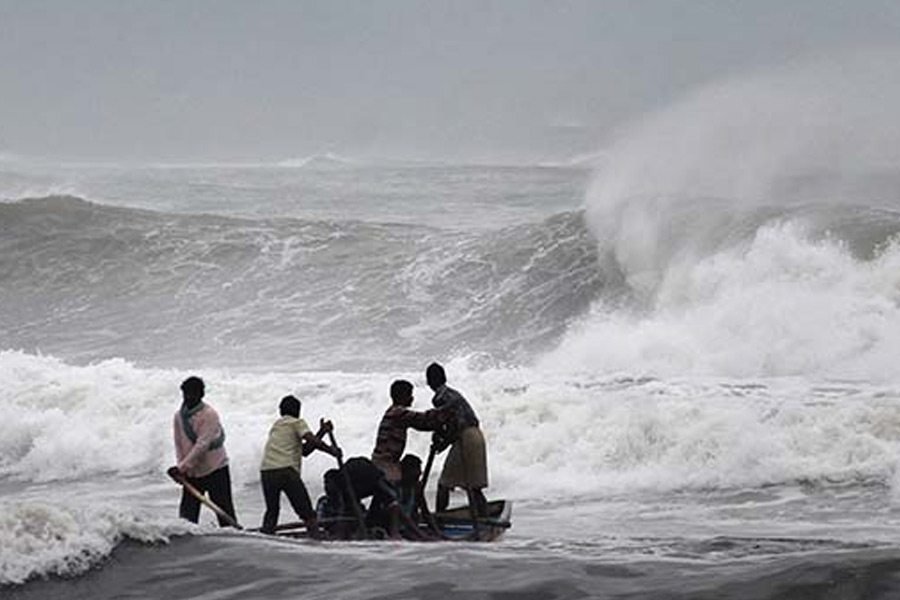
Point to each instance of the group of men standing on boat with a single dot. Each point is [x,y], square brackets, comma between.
[393,481]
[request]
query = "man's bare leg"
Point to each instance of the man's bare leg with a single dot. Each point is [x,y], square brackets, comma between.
[442,500]
[312,528]
[477,501]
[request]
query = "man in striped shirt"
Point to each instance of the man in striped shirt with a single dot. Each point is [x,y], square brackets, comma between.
[392,431]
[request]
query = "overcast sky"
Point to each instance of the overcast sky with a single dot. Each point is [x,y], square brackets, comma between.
[462,80]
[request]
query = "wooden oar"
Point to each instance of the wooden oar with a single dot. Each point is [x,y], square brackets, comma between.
[360,519]
[175,474]
[428,463]
[426,512]
[302,525]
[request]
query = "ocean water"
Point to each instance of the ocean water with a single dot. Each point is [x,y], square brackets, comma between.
[689,388]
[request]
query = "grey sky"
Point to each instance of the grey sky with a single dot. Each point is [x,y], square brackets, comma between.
[464,80]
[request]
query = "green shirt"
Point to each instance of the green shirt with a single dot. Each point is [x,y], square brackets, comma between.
[284,448]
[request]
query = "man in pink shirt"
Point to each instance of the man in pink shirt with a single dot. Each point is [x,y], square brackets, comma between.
[200,452]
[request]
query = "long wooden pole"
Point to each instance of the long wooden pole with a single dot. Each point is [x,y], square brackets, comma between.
[428,463]
[193,491]
[301,524]
[426,512]
[360,519]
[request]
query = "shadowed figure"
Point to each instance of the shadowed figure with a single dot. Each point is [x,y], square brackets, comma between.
[466,463]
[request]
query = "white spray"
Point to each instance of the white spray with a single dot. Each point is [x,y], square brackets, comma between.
[709,208]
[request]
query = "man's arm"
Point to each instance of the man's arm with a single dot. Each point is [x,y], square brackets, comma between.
[314,442]
[429,420]
[176,437]
[324,428]
[445,432]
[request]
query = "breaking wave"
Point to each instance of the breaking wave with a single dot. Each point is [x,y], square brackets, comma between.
[584,434]
[757,225]
[38,539]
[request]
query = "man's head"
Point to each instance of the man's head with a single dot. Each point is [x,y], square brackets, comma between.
[192,390]
[402,393]
[289,407]
[435,376]
[410,469]
[332,483]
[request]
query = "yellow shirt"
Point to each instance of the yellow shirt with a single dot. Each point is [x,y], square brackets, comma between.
[284,447]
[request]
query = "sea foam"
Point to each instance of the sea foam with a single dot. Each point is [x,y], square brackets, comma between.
[551,432]
[39,539]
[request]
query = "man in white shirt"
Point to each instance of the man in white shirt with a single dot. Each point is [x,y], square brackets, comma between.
[290,439]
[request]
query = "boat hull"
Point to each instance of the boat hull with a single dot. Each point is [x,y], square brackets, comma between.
[455,524]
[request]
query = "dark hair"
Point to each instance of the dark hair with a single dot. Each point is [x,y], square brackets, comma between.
[401,390]
[193,386]
[410,468]
[333,484]
[289,406]
[435,375]
[410,462]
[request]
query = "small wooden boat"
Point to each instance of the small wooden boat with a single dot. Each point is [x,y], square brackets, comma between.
[456,524]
